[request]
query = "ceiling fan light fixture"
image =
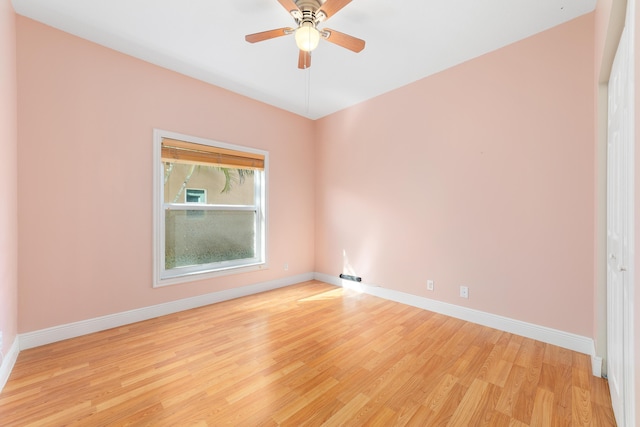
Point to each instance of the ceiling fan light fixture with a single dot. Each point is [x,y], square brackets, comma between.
[308,14]
[307,36]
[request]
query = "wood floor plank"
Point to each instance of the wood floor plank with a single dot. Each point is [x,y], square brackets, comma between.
[542,408]
[582,413]
[563,395]
[448,408]
[485,408]
[531,357]
[383,417]
[463,415]
[347,411]
[310,354]
[439,394]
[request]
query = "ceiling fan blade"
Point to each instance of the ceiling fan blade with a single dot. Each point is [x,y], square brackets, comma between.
[304,60]
[341,39]
[290,5]
[266,35]
[331,7]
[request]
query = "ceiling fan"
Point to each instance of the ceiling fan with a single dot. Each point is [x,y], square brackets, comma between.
[308,14]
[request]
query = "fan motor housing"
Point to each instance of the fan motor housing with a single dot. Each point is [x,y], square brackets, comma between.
[309,5]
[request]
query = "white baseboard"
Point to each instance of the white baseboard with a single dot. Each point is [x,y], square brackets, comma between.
[596,365]
[8,362]
[563,339]
[83,327]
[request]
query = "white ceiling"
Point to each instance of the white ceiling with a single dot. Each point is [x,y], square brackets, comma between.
[406,41]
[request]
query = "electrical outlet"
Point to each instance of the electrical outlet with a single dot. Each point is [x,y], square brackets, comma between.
[286,266]
[429,285]
[464,292]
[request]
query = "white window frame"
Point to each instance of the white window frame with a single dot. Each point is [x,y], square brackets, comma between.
[163,277]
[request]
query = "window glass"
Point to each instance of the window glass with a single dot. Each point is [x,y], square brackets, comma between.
[211,237]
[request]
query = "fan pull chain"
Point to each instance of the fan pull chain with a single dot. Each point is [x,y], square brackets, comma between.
[307,91]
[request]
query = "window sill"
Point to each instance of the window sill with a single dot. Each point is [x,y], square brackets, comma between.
[203,275]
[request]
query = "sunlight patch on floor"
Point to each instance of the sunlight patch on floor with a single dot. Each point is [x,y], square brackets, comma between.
[329,295]
[347,290]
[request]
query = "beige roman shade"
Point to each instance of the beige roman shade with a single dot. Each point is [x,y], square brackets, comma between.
[174,150]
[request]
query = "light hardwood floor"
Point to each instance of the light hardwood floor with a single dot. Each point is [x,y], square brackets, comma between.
[309,354]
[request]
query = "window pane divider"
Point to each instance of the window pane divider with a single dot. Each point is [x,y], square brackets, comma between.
[208,207]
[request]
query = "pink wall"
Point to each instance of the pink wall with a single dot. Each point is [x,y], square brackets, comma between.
[86,115]
[481,175]
[8,178]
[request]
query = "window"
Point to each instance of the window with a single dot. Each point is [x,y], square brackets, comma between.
[209,208]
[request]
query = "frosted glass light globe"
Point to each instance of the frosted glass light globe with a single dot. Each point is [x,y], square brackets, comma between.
[307,37]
